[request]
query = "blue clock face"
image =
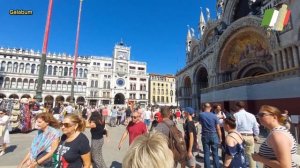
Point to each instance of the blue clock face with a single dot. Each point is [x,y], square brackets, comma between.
[120,82]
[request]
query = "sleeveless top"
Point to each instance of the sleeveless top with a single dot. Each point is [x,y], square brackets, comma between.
[266,151]
[237,152]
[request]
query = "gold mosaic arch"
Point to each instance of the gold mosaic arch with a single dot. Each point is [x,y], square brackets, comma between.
[244,44]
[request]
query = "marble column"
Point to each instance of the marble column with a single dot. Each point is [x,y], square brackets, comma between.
[274,55]
[290,57]
[296,55]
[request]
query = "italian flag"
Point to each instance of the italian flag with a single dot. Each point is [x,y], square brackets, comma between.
[276,19]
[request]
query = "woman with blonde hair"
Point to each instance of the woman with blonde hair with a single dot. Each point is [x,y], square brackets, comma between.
[74,148]
[149,150]
[44,143]
[280,146]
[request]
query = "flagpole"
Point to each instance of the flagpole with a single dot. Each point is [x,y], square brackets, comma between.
[76,53]
[39,89]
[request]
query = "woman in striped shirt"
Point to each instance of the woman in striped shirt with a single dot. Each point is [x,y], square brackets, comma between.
[280,145]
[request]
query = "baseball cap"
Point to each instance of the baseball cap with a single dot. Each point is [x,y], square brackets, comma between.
[189,110]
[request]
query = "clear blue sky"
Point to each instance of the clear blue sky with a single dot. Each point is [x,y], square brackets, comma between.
[155,29]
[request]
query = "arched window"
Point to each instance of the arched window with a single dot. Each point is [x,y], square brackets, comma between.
[3,65]
[48,85]
[85,73]
[19,83]
[59,85]
[92,83]
[53,85]
[50,70]
[27,70]
[84,87]
[1,82]
[64,86]
[70,71]
[79,87]
[80,73]
[31,84]
[55,70]
[15,70]
[6,83]
[9,67]
[13,84]
[69,86]
[21,70]
[25,84]
[66,71]
[60,72]
[108,84]
[171,93]
[33,68]
[96,84]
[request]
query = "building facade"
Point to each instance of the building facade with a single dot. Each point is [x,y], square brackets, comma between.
[162,90]
[237,59]
[99,80]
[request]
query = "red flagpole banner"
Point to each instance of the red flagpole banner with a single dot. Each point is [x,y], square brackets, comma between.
[45,43]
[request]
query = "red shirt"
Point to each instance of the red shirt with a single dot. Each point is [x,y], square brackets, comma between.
[159,117]
[105,112]
[178,113]
[135,130]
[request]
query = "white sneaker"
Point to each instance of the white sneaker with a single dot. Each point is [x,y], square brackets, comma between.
[2,153]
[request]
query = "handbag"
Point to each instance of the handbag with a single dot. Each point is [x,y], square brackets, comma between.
[46,163]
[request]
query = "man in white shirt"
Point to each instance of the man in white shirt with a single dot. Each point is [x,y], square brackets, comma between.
[147,117]
[69,109]
[248,127]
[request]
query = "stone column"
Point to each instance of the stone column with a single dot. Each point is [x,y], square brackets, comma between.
[284,57]
[295,56]
[290,57]
[279,60]
[274,55]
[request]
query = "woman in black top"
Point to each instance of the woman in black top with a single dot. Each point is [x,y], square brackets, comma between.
[74,149]
[97,130]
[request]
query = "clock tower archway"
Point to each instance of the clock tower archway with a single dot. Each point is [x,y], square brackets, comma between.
[119,99]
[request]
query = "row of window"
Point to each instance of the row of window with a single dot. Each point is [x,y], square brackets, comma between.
[48,85]
[94,84]
[161,99]
[105,76]
[141,79]
[34,69]
[143,87]
[133,96]
[139,68]
[162,92]
[162,85]
[105,64]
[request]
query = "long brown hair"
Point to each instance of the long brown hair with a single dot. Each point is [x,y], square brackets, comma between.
[77,120]
[274,111]
[48,118]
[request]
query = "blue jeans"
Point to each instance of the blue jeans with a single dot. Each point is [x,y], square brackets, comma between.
[210,141]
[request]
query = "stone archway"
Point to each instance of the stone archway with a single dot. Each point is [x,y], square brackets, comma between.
[26,96]
[201,81]
[69,99]
[80,100]
[252,70]
[2,96]
[59,100]
[13,96]
[187,91]
[119,99]
[48,101]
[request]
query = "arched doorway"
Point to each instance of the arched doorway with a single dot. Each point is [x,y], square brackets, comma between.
[201,82]
[251,71]
[60,100]
[69,99]
[187,91]
[119,99]
[2,96]
[26,96]
[48,102]
[13,96]
[80,100]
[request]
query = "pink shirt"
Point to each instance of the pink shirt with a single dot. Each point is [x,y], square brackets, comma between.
[105,112]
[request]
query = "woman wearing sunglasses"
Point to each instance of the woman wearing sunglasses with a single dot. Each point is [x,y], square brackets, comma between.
[74,149]
[234,145]
[44,143]
[280,145]
[97,125]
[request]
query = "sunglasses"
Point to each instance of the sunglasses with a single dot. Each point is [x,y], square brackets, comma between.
[1,113]
[134,117]
[67,125]
[263,114]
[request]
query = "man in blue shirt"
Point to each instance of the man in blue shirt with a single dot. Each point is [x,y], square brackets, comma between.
[248,127]
[211,135]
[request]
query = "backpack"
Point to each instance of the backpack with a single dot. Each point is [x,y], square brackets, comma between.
[176,143]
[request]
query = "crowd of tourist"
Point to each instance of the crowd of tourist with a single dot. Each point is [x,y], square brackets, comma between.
[155,138]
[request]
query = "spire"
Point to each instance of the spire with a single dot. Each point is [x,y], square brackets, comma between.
[208,14]
[202,23]
[188,39]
